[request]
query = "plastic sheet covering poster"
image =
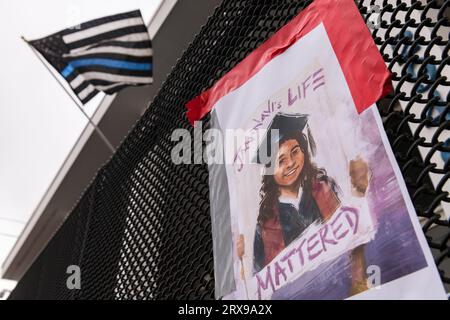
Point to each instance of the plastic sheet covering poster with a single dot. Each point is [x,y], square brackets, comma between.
[316,204]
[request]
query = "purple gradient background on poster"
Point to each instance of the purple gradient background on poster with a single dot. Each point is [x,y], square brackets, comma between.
[395,249]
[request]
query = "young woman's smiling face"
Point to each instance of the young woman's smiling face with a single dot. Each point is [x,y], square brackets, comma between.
[289,163]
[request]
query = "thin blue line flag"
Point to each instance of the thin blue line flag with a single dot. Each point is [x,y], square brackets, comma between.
[106,54]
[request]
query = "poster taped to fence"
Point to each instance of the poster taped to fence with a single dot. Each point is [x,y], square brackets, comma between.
[309,202]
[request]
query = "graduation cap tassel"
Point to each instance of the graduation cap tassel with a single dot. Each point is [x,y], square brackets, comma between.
[312,143]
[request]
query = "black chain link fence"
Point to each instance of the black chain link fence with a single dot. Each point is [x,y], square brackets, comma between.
[142,229]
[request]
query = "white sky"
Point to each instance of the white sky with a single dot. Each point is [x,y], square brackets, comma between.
[38,122]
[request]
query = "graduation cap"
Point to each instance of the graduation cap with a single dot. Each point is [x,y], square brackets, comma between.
[286,125]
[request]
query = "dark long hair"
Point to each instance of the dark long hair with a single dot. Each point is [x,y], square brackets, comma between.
[270,190]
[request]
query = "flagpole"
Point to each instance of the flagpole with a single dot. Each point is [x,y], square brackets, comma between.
[77,103]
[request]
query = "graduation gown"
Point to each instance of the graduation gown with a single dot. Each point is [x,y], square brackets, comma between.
[287,223]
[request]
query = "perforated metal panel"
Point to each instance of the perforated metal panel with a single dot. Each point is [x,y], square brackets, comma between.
[142,229]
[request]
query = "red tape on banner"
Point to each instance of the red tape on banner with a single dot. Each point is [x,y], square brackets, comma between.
[362,64]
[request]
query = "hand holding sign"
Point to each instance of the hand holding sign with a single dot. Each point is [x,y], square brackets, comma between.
[240,246]
[360,175]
